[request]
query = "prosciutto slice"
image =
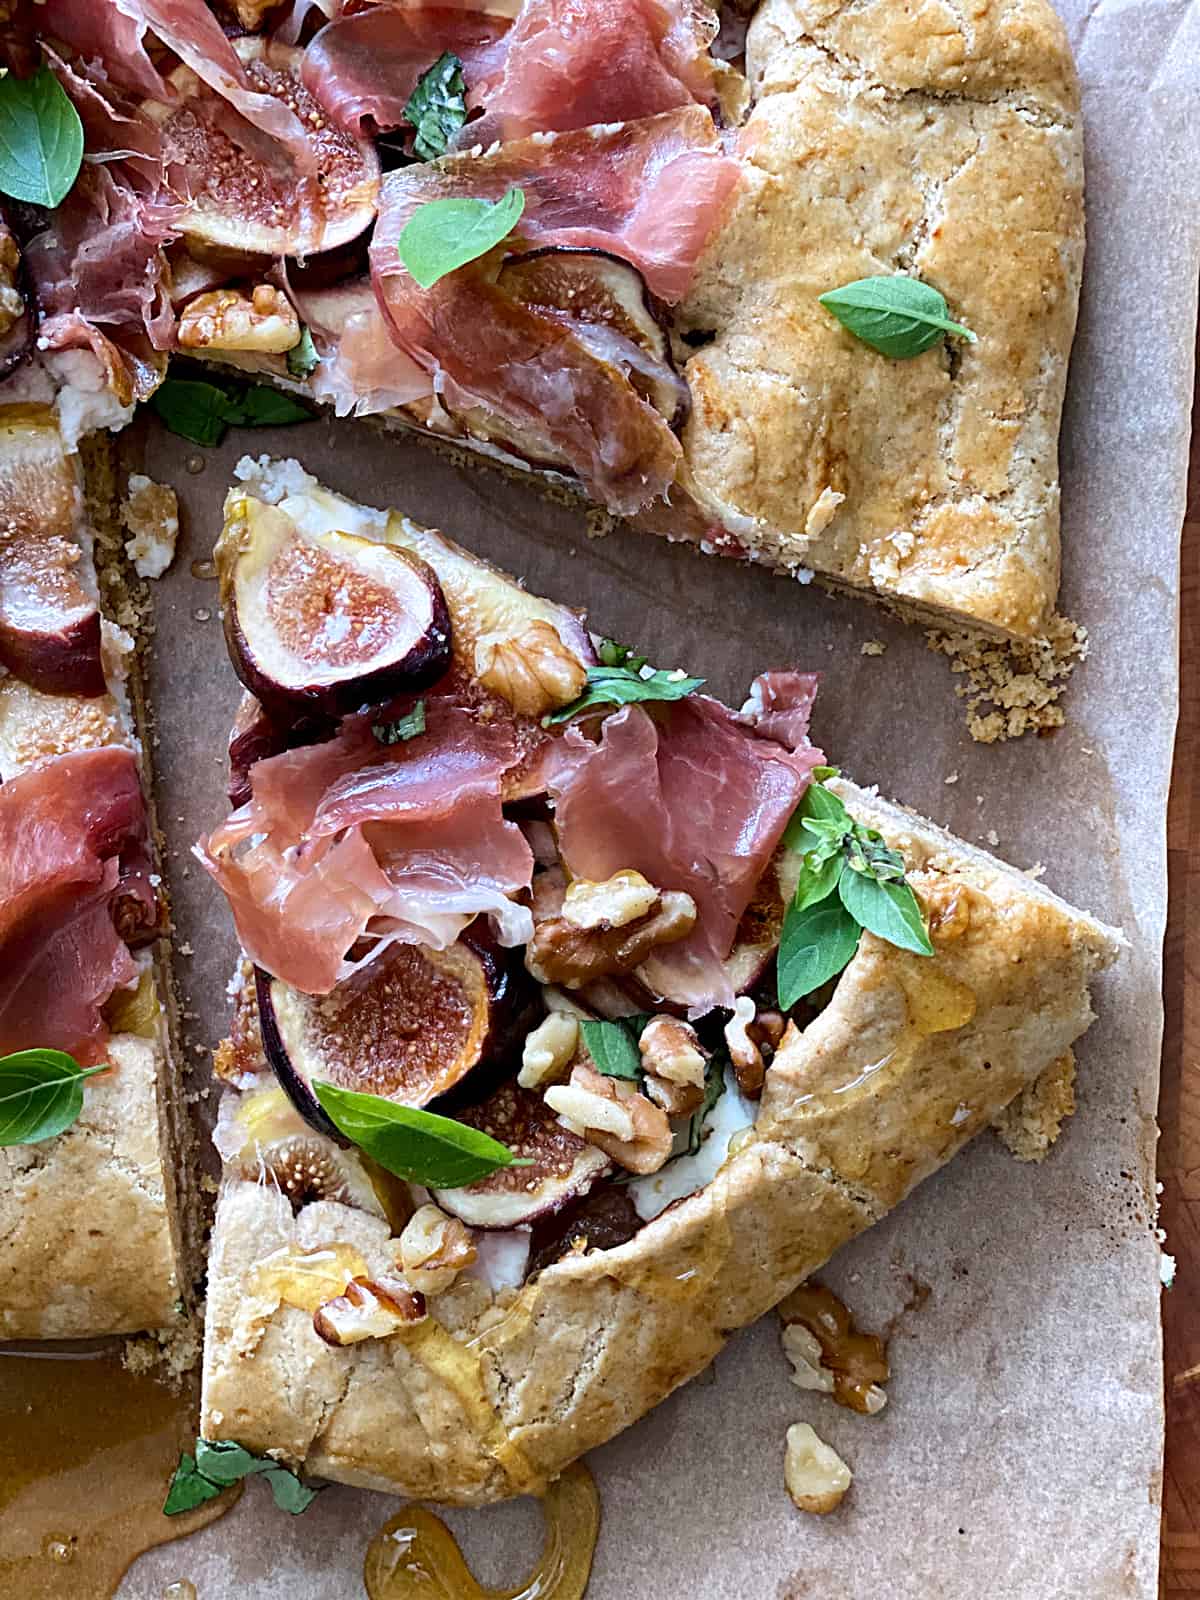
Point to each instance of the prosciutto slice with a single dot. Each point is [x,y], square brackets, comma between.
[696,800]
[351,838]
[73,842]
[363,67]
[571,63]
[361,371]
[651,192]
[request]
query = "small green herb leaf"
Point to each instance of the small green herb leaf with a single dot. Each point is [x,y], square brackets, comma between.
[896,315]
[714,1088]
[41,1094]
[814,946]
[302,358]
[613,1048]
[219,1463]
[437,107]
[419,1146]
[443,235]
[817,881]
[406,727]
[41,138]
[618,686]
[613,654]
[886,908]
[201,411]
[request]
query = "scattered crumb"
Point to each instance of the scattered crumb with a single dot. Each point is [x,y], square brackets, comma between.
[168,1353]
[951,778]
[816,1476]
[151,514]
[1037,870]
[992,837]
[873,647]
[1013,688]
[202,614]
[1166,1270]
[1030,1124]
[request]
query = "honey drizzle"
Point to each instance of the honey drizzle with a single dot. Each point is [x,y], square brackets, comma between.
[414,1556]
[857,1360]
[306,1279]
[87,1449]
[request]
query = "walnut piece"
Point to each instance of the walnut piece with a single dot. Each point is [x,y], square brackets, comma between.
[534,672]
[561,953]
[803,1349]
[613,903]
[675,1063]
[612,1115]
[12,303]
[263,321]
[250,13]
[821,1341]
[748,1066]
[816,1476]
[548,1050]
[433,1249]
[367,1310]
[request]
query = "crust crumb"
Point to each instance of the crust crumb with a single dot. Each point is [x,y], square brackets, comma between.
[168,1354]
[873,647]
[1032,1122]
[1013,687]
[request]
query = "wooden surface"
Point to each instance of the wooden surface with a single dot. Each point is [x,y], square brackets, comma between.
[1179,1149]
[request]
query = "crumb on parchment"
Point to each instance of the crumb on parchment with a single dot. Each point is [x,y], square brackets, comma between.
[150,513]
[1031,1123]
[873,647]
[1013,687]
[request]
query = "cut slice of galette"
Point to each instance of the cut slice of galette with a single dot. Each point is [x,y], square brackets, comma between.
[581,1016]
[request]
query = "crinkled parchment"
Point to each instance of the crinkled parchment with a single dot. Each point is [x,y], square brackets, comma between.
[1019,1455]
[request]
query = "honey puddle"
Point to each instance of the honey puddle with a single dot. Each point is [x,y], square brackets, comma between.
[416,1557]
[87,1450]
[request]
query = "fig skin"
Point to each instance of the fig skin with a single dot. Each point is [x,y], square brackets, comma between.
[256,736]
[605,1217]
[499,1005]
[564,1167]
[332,692]
[57,660]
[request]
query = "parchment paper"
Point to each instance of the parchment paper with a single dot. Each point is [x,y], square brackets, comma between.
[1019,1455]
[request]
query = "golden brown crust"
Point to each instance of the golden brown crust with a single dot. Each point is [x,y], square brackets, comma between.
[90,1232]
[491,1399]
[891,138]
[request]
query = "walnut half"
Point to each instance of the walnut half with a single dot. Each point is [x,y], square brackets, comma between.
[367,1310]
[561,952]
[263,321]
[612,1115]
[534,672]
[434,1249]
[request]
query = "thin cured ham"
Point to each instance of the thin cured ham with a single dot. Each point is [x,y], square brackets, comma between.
[365,64]
[780,705]
[694,799]
[572,63]
[351,838]
[361,371]
[73,842]
[651,192]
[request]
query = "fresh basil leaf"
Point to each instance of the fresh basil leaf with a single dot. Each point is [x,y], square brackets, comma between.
[437,107]
[823,774]
[201,411]
[820,816]
[888,910]
[613,654]
[817,881]
[289,1493]
[406,727]
[419,1146]
[189,1488]
[302,358]
[867,853]
[41,1094]
[896,315]
[443,235]
[41,139]
[260,407]
[613,1049]
[814,946]
[219,1463]
[618,686]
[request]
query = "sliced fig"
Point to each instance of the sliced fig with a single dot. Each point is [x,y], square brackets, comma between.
[326,622]
[248,196]
[757,937]
[410,1026]
[271,1143]
[49,625]
[563,1165]
[601,1220]
[609,307]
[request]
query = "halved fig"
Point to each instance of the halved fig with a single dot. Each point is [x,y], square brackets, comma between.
[247,194]
[563,1165]
[272,1144]
[326,622]
[49,625]
[411,1026]
[602,1220]
[610,309]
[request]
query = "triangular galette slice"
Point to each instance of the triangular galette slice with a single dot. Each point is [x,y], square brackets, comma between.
[542,902]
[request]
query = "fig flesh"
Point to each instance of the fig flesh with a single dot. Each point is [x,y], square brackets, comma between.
[49,625]
[609,308]
[411,1026]
[272,1144]
[248,196]
[602,1220]
[325,623]
[563,1166]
